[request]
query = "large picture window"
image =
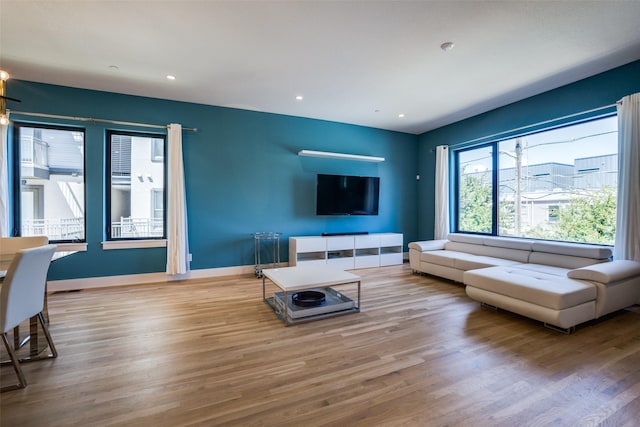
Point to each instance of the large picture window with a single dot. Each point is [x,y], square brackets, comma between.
[557,184]
[50,190]
[136,186]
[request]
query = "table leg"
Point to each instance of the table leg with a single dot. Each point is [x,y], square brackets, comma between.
[16,337]
[259,265]
[33,332]
[285,312]
[45,308]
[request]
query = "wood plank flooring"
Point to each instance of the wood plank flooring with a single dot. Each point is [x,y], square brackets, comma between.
[420,353]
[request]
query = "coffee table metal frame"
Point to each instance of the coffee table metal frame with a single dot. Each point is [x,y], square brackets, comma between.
[299,278]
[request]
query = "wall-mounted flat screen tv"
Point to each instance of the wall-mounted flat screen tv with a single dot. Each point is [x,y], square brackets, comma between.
[347,195]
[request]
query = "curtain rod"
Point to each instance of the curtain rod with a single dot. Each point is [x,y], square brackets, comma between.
[90,119]
[535,124]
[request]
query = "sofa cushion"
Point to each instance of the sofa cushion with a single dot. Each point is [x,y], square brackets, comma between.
[607,272]
[479,261]
[462,260]
[508,242]
[490,251]
[564,261]
[428,245]
[468,248]
[547,269]
[573,249]
[539,288]
[506,253]
[446,257]
[475,239]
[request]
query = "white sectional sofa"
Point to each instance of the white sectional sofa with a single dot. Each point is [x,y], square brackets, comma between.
[560,284]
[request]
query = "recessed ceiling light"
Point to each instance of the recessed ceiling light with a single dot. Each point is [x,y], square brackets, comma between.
[299,97]
[170,77]
[447,46]
[114,67]
[401,115]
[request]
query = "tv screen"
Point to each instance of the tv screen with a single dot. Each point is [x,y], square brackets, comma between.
[347,195]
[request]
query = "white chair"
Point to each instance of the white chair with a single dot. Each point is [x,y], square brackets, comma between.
[9,246]
[22,297]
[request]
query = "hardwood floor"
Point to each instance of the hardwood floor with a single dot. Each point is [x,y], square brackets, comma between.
[420,353]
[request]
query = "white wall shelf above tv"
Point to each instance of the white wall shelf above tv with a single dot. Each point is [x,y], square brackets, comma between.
[343,156]
[347,252]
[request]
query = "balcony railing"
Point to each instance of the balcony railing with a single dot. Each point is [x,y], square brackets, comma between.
[136,228]
[73,228]
[55,229]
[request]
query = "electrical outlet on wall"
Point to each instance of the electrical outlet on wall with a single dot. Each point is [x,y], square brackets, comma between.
[190,257]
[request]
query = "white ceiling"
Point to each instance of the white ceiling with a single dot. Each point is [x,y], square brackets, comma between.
[360,62]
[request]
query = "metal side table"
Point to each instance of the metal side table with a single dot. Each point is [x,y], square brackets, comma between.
[267,242]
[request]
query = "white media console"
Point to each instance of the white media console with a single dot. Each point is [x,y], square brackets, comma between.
[347,252]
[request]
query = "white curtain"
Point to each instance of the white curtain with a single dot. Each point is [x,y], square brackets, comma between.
[4,183]
[441,226]
[627,242]
[177,231]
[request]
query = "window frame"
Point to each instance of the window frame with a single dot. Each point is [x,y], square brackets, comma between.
[493,145]
[17,173]
[495,177]
[108,184]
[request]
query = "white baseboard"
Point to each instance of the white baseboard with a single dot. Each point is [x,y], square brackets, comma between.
[146,278]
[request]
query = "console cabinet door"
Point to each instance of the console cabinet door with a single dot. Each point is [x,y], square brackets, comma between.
[340,252]
[367,251]
[391,249]
[307,250]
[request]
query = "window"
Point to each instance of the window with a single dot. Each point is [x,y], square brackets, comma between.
[558,184]
[475,190]
[50,190]
[136,186]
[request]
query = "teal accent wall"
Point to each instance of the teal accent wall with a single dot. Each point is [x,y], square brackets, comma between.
[242,175]
[590,93]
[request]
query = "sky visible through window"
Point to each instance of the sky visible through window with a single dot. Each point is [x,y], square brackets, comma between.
[562,145]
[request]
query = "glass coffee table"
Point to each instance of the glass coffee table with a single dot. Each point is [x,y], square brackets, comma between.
[306,293]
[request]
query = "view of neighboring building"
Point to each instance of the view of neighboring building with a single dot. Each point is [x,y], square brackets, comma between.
[51,182]
[546,188]
[545,183]
[137,186]
[52,195]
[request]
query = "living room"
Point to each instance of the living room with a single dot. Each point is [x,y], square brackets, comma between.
[243,175]
[233,152]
